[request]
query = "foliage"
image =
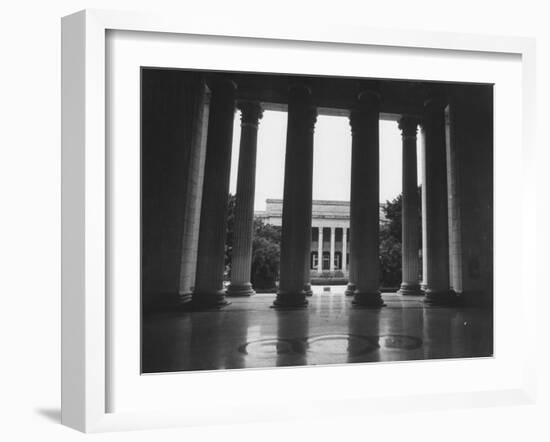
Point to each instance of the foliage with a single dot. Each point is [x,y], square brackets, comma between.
[265,255]
[390,241]
[390,244]
[230,236]
[265,249]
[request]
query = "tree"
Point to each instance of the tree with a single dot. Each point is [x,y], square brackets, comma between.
[230,226]
[390,243]
[266,251]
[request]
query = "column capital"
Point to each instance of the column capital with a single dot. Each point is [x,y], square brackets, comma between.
[310,118]
[299,98]
[434,110]
[368,98]
[221,84]
[251,112]
[368,101]
[435,103]
[409,126]
[299,91]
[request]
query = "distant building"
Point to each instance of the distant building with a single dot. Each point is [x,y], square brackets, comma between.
[329,254]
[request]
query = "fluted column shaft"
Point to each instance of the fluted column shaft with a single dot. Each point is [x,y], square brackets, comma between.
[308,200]
[320,251]
[410,219]
[434,205]
[332,241]
[193,174]
[350,289]
[344,248]
[212,233]
[307,271]
[241,260]
[297,198]
[364,204]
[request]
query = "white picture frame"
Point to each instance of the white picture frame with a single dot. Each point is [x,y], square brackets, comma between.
[86,314]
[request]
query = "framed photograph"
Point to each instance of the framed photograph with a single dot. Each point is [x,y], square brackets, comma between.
[291,222]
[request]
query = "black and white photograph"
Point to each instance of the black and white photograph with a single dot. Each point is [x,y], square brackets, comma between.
[275,221]
[295,220]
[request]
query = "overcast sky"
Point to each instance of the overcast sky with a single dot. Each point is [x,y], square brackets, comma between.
[331,163]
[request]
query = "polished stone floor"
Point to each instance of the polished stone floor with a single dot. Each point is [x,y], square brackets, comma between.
[249,333]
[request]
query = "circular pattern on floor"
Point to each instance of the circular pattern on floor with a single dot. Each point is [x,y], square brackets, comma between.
[268,347]
[340,344]
[399,342]
[330,344]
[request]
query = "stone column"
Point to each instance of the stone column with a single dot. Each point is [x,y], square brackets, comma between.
[434,205]
[423,206]
[410,220]
[332,244]
[344,248]
[194,180]
[350,289]
[307,272]
[209,290]
[308,189]
[297,199]
[241,261]
[364,204]
[320,251]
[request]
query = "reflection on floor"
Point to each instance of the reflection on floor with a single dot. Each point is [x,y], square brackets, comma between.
[248,333]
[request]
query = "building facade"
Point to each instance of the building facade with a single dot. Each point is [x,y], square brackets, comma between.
[329,250]
[330,237]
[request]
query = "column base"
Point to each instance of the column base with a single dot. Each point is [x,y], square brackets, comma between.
[441,297]
[207,301]
[367,299]
[240,290]
[350,289]
[307,290]
[407,289]
[290,300]
[184,298]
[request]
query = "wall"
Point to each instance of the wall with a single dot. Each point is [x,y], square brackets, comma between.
[471,112]
[172,103]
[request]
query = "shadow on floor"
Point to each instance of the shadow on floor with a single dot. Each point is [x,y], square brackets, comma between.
[51,414]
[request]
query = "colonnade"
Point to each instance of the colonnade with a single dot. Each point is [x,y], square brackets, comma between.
[331,249]
[294,281]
